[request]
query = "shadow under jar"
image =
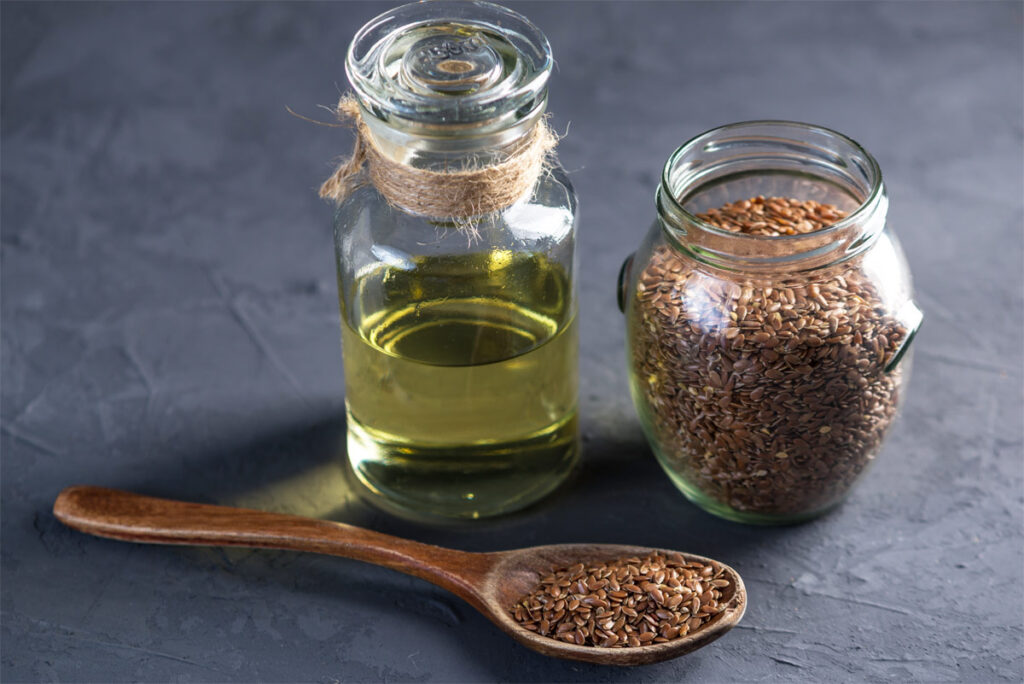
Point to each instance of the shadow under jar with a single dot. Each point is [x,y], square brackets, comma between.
[459,335]
[767,368]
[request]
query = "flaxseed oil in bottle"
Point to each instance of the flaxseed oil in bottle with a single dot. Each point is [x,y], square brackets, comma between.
[461,390]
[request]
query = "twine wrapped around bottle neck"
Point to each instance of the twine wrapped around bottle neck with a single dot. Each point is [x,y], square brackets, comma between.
[456,194]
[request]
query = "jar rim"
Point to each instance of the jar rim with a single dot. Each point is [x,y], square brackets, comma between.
[867,205]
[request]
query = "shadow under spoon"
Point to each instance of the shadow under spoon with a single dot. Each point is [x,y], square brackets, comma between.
[490,582]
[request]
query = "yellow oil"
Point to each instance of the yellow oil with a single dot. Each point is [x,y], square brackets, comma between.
[461,382]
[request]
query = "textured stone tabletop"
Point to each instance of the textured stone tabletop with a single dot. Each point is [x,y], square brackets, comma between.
[170,326]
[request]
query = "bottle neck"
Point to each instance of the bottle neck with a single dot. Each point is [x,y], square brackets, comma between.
[443,147]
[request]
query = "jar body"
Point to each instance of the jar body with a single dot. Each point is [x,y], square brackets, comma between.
[460,351]
[760,402]
[767,375]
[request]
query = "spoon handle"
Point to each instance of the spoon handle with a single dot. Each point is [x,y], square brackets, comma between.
[133,517]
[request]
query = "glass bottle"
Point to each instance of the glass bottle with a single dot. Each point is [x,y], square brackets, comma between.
[459,336]
[766,370]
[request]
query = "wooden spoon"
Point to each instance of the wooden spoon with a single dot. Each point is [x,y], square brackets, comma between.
[490,582]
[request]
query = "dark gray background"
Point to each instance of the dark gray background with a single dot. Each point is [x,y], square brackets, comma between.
[170,326]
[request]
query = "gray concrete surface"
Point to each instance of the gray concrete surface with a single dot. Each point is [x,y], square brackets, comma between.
[170,326]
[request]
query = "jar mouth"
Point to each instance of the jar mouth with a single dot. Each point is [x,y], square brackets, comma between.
[771,158]
[453,65]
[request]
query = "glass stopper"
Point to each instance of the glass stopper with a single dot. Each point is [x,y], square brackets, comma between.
[451,64]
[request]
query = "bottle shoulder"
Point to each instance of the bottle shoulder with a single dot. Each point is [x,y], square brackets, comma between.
[554,186]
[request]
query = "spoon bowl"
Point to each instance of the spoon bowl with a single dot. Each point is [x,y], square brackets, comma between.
[514,574]
[490,582]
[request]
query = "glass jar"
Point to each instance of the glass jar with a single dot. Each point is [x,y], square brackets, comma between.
[767,369]
[459,336]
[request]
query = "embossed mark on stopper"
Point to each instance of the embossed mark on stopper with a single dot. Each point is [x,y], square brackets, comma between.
[449,64]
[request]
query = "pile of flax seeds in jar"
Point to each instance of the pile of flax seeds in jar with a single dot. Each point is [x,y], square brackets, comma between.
[772,397]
